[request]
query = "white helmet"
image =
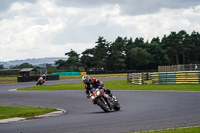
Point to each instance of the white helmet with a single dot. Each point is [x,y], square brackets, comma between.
[85,79]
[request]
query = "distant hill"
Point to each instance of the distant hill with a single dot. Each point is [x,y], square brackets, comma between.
[34,61]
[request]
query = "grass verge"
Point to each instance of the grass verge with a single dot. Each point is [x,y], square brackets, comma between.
[13,79]
[98,76]
[116,85]
[176,130]
[8,79]
[24,112]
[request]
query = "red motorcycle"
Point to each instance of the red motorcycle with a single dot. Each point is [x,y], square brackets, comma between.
[103,100]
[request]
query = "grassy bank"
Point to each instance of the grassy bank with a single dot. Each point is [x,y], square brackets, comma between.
[117,85]
[176,130]
[24,112]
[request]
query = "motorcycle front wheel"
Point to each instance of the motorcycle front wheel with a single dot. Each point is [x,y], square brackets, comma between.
[117,106]
[103,104]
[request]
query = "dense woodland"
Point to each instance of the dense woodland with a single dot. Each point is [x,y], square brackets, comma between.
[127,54]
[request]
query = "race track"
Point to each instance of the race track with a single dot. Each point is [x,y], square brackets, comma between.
[140,110]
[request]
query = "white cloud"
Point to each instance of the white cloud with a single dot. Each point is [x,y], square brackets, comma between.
[23,34]
[162,22]
[43,29]
[98,15]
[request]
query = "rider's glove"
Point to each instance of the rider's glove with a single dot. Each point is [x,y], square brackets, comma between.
[99,87]
[91,86]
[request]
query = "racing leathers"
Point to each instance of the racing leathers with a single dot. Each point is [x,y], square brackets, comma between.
[94,84]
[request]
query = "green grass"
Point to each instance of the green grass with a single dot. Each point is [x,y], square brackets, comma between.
[176,130]
[25,112]
[13,79]
[8,79]
[98,76]
[116,85]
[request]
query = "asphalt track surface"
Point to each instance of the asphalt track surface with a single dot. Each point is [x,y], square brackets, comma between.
[140,110]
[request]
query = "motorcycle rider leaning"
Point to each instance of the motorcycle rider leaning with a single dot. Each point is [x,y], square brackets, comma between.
[91,83]
[44,76]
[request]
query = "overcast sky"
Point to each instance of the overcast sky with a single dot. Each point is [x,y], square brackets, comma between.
[50,28]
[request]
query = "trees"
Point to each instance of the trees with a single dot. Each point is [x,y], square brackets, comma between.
[1,66]
[116,55]
[174,45]
[185,42]
[23,65]
[140,57]
[73,61]
[61,64]
[128,54]
[157,56]
[180,47]
[195,47]
[101,53]
[128,58]
[139,42]
[71,64]
[87,59]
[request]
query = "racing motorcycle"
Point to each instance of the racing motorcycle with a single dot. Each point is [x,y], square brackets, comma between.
[103,100]
[40,81]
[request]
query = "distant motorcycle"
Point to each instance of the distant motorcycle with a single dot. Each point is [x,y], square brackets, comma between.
[103,100]
[40,81]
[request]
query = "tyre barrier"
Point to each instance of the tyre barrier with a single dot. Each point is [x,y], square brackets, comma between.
[179,77]
[135,78]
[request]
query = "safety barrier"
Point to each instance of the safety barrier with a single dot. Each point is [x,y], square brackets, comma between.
[164,78]
[135,78]
[35,78]
[187,77]
[175,68]
[180,77]
[83,73]
[68,73]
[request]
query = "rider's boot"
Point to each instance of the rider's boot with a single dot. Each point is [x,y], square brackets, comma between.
[113,97]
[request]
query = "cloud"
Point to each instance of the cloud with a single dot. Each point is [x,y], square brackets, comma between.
[162,22]
[131,7]
[44,28]
[31,29]
[26,27]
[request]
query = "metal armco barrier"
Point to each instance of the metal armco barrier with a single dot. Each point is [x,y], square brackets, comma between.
[180,77]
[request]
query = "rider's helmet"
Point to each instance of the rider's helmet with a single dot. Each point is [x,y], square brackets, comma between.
[85,79]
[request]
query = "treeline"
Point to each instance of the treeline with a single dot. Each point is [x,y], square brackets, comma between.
[128,54]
